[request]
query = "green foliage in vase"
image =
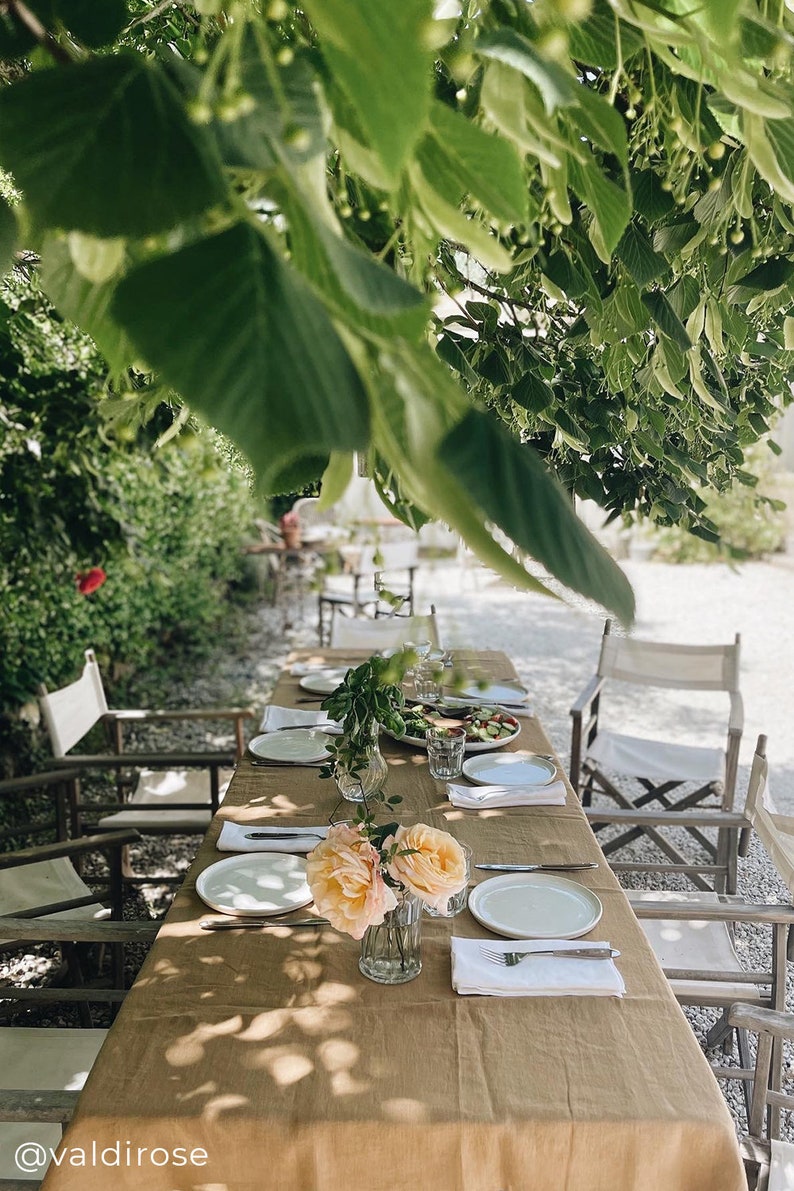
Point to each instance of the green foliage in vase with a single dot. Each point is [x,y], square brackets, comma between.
[368,698]
[336,226]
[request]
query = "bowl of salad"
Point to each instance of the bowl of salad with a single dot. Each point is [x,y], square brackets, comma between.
[486,727]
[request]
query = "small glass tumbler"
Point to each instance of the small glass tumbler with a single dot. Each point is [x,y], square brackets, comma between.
[427,682]
[460,900]
[445,751]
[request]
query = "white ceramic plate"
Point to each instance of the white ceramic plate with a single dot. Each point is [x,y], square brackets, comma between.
[492,692]
[518,769]
[322,682]
[291,744]
[259,883]
[535,906]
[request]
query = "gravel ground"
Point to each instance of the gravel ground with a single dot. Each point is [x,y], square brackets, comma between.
[554,646]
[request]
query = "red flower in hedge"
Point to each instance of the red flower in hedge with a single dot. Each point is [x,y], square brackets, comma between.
[88,581]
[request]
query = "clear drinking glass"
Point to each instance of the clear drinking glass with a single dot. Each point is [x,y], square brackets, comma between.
[445,751]
[428,679]
[460,900]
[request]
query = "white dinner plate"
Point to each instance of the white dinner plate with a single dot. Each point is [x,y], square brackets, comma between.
[492,692]
[259,883]
[291,744]
[322,682]
[535,906]
[517,769]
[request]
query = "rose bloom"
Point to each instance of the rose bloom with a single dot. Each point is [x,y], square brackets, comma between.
[345,878]
[89,581]
[435,869]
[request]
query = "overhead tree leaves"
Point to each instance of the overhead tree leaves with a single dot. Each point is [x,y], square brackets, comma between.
[359,40]
[557,89]
[666,319]
[85,303]
[8,236]
[60,137]
[476,162]
[532,508]
[250,347]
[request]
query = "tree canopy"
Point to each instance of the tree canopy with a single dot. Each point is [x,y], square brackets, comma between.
[509,251]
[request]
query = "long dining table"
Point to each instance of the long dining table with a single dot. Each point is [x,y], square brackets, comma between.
[272,1057]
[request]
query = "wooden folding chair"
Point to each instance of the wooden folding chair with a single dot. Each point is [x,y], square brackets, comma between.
[603,761]
[768,1161]
[160,792]
[381,584]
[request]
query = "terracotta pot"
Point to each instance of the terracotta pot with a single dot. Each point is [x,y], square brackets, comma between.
[292,537]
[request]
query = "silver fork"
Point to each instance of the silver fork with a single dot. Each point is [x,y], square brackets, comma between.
[509,959]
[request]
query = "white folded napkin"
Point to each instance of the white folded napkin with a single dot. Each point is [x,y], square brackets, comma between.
[276,718]
[479,798]
[283,839]
[546,976]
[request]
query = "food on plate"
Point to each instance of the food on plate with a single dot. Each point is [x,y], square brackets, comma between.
[482,724]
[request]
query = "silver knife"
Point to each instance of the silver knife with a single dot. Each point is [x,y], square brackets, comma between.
[250,923]
[535,868]
[277,833]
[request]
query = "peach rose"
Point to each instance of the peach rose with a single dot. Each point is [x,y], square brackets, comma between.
[434,869]
[345,878]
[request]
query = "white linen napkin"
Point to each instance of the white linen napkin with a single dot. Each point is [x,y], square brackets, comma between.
[477,798]
[232,838]
[546,976]
[276,717]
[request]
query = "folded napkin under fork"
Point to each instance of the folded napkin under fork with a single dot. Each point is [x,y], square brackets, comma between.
[541,976]
[232,838]
[481,797]
[275,718]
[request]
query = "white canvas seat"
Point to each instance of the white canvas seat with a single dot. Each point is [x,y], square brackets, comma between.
[44,884]
[384,633]
[781,1166]
[657,760]
[171,792]
[50,1060]
[612,763]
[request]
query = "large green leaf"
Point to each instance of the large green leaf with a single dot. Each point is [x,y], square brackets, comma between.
[247,344]
[460,158]
[609,203]
[378,54]
[666,319]
[451,223]
[601,123]
[636,252]
[557,89]
[94,24]
[362,290]
[8,236]
[512,487]
[594,40]
[105,147]
[85,303]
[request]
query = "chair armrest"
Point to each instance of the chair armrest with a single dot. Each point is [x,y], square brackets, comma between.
[77,930]
[153,760]
[50,1108]
[736,718]
[586,697]
[68,847]
[50,777]
[753,1017]
[687,818]
[132,714]
[702,911]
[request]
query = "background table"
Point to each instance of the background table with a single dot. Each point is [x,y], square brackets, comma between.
[295,1073]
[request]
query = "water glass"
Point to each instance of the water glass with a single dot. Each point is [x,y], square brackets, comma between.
[428,682]
[460,900]
[445,751]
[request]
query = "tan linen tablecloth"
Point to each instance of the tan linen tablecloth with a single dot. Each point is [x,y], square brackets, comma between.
[271,1052]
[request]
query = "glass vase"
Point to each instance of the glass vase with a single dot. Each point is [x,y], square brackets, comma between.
[366,779]
[392,952]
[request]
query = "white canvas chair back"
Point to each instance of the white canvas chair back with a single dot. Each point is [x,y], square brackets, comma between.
[775,830]
[44,884]
[683,667]
[387,633]
[388,557]
[72,711]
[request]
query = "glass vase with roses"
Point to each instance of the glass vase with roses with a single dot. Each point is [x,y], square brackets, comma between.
[371,880]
